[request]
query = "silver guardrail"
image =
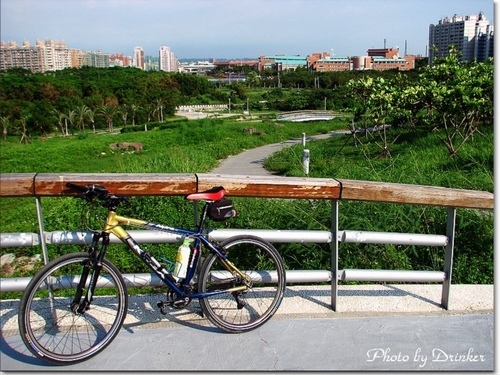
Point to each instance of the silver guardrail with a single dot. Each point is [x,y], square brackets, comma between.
[47,185]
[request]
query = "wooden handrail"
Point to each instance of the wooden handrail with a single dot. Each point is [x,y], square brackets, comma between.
[158,184]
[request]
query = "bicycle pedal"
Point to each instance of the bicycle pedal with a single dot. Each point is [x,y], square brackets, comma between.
[180,303]
[163,307]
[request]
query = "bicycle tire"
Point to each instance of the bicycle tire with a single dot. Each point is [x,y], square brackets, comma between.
[248,309]
[48,326]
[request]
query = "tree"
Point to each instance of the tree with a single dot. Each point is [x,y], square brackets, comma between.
[91,116]
[61,122]
[108,112]
[81,113]
[24,130]
[70,116]
[134,108]
[253,79]
[124,110]
[452,97]
[159,109]
[457,96]
[5,121]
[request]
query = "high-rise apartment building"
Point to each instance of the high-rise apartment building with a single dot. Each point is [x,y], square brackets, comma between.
[45,56]
[119,59]
[471,35]
[168,61]
[138,60]
[25,56]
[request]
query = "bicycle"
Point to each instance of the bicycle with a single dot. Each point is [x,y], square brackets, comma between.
[75,305]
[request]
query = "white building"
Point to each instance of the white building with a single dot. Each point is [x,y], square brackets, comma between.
[168,61]
[472,36]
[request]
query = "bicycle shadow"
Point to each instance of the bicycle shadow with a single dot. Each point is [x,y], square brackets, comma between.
[191,316]
[15,347]
[318,296]
[12,346]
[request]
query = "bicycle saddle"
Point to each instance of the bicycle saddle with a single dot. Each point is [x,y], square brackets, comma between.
[214,194]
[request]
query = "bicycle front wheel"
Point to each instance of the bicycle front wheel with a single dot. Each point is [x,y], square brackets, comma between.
[243,303]
[55,332]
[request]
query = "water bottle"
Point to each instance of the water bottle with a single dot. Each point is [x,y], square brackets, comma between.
[182,259]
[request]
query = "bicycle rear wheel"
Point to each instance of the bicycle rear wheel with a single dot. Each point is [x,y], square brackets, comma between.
[52,330]
[243,305]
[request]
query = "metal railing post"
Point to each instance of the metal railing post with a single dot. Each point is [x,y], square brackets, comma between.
[41,229]
[448,257]
[335,252]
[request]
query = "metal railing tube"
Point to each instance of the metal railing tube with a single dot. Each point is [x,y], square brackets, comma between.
[272,235]
[292,276]
[19,284]
[85,238]
[19,239]
[351,236]
[155,237]
[393,275]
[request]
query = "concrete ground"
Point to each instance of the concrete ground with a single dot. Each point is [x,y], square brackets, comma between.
[377,327]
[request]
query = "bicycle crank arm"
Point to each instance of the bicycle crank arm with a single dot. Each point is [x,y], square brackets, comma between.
[237,289]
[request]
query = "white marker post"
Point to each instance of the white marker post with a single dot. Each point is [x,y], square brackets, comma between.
[305,162]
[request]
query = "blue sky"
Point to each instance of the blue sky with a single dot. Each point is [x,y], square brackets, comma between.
[232,28]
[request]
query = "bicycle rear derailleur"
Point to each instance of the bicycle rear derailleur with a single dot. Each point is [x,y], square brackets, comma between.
[173,300]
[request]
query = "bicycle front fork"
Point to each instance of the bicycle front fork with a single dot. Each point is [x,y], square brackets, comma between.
[92,267]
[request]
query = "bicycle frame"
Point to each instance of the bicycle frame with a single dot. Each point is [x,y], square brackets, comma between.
[114,224]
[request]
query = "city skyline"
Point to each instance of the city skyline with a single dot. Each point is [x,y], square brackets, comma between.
[232,29]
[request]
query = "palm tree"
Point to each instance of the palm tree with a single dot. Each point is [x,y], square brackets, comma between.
[108,112]
[60,118]
[81,112]
[71,117]
[133,109]
[124,109]
[90,115]
[5,121]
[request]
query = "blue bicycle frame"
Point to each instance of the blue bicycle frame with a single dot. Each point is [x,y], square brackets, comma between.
[114,224]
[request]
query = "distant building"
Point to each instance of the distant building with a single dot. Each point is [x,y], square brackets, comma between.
[473,36]
[197,67]
[167,60]
[138,59]
[119,59]
[45,56]
[26,56]
[282,62]
[230,64]
[376,59]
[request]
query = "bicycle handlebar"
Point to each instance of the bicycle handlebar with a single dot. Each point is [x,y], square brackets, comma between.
[91,191]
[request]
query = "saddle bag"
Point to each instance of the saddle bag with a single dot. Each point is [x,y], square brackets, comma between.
[221,210]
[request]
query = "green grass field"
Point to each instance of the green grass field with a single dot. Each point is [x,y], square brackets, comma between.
[197,146]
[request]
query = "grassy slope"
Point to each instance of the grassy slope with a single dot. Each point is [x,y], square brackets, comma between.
[196,146]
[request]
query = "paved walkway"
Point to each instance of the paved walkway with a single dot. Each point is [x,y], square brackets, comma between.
[251,162]
[377,327]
